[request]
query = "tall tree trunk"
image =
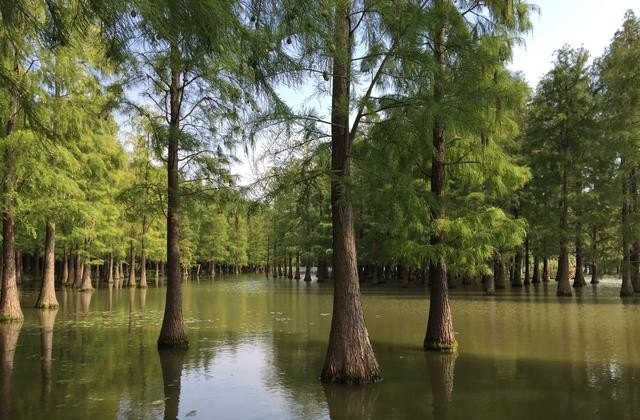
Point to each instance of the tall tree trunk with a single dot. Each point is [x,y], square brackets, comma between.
[527,277]
[65,266]
[132,266]
[297,274]
[290,272]
[143,256]
[627,287]
[440,335]
[110,268]
[267,268]
[536,270]
[517,269]
[20,268]
[86,285]
[47,297]
[545,269]
[77,279]
[594,257]
[72,270]
[172,333]
[350,357]
[307,272]
[9,299]
[500,272]
[578,279]
[488,280]
[564,287]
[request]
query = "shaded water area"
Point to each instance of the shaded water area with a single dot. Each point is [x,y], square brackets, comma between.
[257,347]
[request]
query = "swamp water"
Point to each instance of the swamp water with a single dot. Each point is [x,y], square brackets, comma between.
[257,347]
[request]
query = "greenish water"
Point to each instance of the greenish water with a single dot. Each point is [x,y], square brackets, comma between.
[257,348]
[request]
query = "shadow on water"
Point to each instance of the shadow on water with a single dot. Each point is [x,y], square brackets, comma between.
[9,333]
[171,362]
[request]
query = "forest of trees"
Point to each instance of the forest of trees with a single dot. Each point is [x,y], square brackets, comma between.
[436,165]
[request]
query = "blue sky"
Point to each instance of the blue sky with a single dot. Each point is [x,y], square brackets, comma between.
[588,23]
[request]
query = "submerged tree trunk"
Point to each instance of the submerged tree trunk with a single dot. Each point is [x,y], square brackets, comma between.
[500,272]
[594,257]
[527,277]
[627,287]
[440,335]
[488,280]
[132,266]
[517,269]
[545,270]
[290,268]
[110,268]
[307,272]
[172,333]
[143,256]
[47,297]
[86,279]
[350,357]
[536,270]
[77,278]
[578,279]
[297,274]
[65,266]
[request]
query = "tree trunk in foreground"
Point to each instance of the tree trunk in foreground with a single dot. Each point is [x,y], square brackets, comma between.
[47,297]
[9,298]
[172,333]
[627,287]
[440,335]
[350,357]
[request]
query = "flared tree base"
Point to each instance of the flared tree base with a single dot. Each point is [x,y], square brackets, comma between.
[180,343]
[441,347]
[362,377]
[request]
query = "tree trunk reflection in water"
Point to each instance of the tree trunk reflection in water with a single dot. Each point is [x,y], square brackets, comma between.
[347,402]
[440,371]
[9,333]
[47,319]
[171,361]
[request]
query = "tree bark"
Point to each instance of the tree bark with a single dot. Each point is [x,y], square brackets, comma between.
[290,271]
[132,266]
[350,357]
[47,298]
[517,269]
[536,270]
[143,256]
[65,266]
[500,272]
[594,256]
[564,287]
[527,277]
[440,335]
[77,279]
[545,270]
[307,272]
[578,279]
[86,279]
[172,333]
[110,268]
[9,298]
[297,273]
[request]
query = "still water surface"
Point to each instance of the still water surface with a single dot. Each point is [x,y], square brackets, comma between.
[257,347]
